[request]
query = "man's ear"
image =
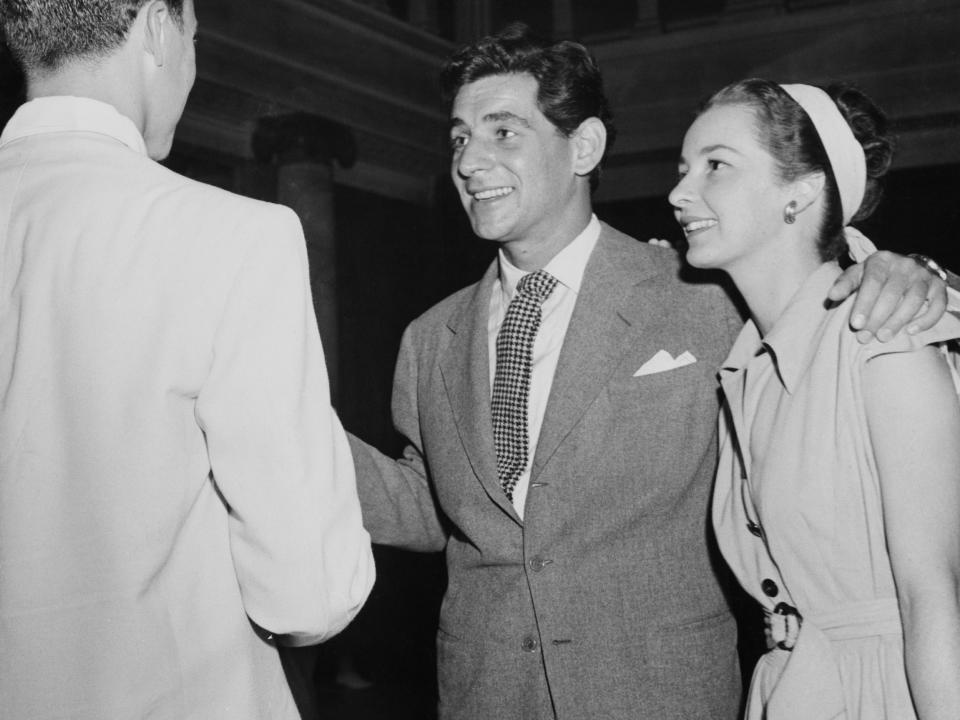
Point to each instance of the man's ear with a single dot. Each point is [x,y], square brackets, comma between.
[155,16]
[808,189]
[590,141]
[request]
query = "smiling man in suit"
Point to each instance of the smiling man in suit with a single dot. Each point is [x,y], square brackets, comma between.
[176,493]
[560,416]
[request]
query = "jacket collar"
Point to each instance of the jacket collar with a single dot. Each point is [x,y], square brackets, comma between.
[58,114]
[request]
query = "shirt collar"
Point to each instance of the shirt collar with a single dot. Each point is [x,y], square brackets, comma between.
[72,114]
[792,342]
[567,266]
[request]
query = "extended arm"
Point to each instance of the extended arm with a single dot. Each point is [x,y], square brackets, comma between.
[398,504]
[914,420]
[279,456]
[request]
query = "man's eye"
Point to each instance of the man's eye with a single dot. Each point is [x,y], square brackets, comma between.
[505,133]
[458,141]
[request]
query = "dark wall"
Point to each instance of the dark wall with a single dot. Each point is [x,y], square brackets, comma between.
[12,86]
[395,260]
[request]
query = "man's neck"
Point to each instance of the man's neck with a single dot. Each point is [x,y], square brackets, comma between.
[102,79]
[533,253]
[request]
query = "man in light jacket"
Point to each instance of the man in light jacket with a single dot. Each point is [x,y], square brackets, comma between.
[176,494]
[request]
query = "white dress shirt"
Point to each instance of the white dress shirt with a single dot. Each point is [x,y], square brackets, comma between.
[567,267]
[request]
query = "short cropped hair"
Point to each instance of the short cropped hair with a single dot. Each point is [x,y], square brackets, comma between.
[44,34]
[569,83]
[787,133]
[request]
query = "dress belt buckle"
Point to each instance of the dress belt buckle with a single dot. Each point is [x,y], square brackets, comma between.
[783,625]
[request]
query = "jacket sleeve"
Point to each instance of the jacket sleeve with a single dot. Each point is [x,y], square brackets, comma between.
[278,454]
[399,506]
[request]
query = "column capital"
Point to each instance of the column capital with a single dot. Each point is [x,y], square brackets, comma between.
[303,137]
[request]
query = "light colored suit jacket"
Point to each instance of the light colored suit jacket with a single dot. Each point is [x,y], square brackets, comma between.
[605,601]
[171,472]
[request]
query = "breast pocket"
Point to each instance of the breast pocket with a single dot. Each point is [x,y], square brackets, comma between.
[655,432]
[670,395]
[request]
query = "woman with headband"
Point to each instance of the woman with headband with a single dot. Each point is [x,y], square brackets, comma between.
[837,502]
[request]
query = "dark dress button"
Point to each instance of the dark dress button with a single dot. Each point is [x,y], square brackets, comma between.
[529,643]
[769,588]
[754,528]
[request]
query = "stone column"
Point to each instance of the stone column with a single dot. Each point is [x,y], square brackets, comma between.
[648,17]
[302,148]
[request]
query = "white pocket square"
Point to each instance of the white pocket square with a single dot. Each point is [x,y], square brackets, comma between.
[663,361]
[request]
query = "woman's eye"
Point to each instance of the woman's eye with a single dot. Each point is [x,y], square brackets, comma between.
[505,133]
[458,141]
[715,164]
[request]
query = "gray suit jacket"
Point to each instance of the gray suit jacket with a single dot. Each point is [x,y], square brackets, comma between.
[604,602]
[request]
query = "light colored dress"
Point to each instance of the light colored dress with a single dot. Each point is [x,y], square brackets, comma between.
[798,516]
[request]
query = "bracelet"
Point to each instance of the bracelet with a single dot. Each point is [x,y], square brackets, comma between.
[929,264]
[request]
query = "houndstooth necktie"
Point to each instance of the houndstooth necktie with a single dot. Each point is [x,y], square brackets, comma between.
[511,381]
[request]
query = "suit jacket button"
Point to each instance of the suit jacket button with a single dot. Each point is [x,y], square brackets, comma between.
[538,563]
[769,588]
[529,643]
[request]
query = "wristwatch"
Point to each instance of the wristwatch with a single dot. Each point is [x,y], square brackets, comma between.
[930,264]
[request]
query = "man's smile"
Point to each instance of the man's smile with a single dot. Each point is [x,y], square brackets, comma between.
[491,193]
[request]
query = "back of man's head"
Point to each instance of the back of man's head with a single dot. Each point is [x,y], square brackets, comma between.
[570,86]
[44,34]
[135,55]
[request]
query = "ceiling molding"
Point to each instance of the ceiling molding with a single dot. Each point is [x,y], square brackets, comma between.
[903,54]
[355,65]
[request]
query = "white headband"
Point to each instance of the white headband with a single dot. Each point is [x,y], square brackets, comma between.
[843,150]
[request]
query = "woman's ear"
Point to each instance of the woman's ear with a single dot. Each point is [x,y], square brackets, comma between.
[808,190]
[589,141]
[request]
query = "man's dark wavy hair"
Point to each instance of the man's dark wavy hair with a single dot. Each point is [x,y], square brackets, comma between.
[570,86]
[43,34]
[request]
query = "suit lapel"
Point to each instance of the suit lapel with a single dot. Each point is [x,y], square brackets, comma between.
[609,316]
[465,369]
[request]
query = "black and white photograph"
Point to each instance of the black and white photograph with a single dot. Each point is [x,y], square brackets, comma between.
[479,359]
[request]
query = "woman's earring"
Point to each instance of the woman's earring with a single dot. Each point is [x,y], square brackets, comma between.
[790,212]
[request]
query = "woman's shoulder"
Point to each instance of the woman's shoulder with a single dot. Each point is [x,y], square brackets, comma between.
[946,329]
[827,340]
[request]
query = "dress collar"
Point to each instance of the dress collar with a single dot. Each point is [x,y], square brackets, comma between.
[63,113]
[792,342]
